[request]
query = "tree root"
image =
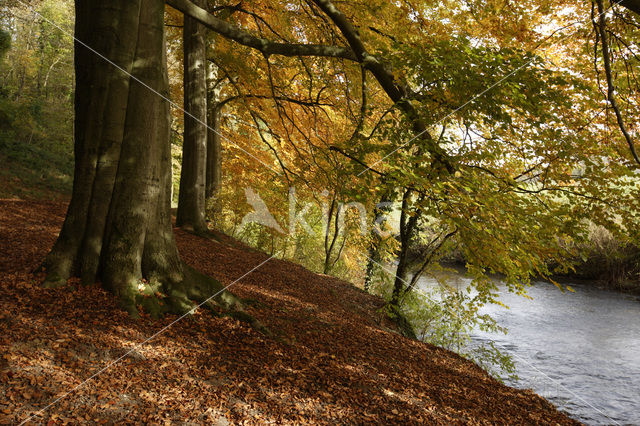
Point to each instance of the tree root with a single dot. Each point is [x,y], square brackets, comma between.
[196,289]
[207,234]
[53,282]
[161,295]
[229,304]
[400,320]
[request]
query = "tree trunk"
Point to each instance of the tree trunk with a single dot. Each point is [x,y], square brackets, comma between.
[214,147]
[328,246]
[118,224]
[191,201]
[374,258]
[401,274]
[407,227]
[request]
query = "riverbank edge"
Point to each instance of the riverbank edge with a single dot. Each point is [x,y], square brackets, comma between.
[631,288]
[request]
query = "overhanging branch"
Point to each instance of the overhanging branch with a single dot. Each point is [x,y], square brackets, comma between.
[395,90]
[266,47]
[611,90]
[357,53]
[632,5]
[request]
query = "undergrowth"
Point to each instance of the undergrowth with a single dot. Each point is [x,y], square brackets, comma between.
[446,316]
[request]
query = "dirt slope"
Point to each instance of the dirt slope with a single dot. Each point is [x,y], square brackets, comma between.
[334,361]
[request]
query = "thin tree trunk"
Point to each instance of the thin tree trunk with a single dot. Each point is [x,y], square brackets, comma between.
[374,256]
[214,147]
[407,226]
[407,229]
[118,224]
[401,274]
[192,201]
[336,207]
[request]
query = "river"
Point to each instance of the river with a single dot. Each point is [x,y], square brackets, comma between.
[579,350]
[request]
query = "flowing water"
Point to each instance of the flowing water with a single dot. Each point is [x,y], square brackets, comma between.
[579,350]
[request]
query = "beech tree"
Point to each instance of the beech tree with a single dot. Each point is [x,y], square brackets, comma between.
[214,144]
[118,225]
[193,178]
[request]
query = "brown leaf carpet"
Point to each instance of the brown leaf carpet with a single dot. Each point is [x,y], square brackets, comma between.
[333,359]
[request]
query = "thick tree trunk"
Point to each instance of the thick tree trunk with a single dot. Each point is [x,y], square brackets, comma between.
[214,147]
[118,224]
[192,202]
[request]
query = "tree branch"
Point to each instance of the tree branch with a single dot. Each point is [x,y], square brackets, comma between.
[428,259]
[346,154]
[611,90]
[278,98]
[266,47]
[632,5]
[396,92]
[358,53]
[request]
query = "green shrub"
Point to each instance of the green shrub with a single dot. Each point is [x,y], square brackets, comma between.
[609,259]
[446,316]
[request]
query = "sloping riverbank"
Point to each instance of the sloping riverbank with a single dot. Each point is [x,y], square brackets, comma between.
[333,359]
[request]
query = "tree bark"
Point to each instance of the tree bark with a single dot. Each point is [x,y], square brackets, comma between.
[118,226]
[191,199]
[632,5]
[374,257]
[330,240]
[214,148]
[407,228]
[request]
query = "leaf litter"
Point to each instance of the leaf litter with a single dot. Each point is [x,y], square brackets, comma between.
[333,357]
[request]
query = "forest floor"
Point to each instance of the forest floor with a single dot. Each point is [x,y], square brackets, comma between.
[334,358]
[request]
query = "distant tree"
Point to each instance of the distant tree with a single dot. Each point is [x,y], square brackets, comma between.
[5,42]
